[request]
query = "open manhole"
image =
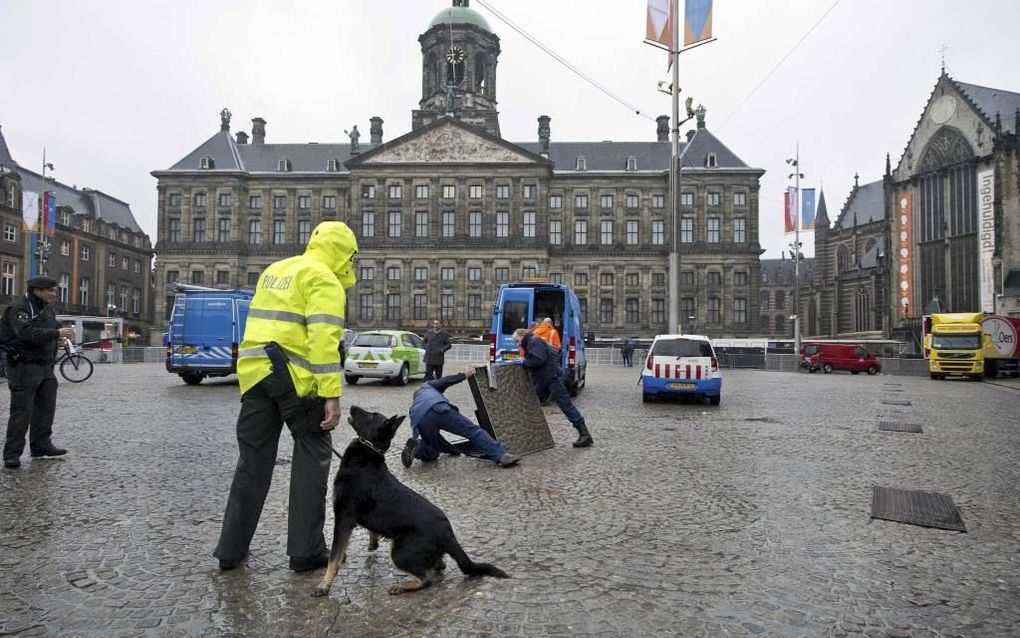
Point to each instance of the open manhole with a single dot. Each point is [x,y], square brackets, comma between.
[895,402]
[899,426]
[916,507]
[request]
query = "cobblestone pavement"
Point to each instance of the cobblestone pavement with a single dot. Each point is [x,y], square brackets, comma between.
[682,520]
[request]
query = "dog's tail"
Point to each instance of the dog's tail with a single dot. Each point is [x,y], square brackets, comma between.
[469,567]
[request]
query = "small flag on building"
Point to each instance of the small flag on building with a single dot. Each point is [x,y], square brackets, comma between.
[49,213]
[30,210]
[807,216]
[697,21]
[790,209]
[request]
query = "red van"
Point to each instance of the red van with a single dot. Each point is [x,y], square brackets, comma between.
[842,356]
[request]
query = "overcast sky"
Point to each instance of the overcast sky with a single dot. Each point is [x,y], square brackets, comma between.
[117,88]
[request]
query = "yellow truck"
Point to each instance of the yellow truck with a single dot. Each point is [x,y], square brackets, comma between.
[955,345]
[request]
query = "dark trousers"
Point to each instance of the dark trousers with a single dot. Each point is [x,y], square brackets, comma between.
[264,409]
[554,389]
[433,371]
[33,403]
[628,359]
[446,418]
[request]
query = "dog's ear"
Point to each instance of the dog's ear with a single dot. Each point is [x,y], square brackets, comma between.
[395,421]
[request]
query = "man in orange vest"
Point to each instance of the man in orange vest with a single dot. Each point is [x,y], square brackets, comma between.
[546,331]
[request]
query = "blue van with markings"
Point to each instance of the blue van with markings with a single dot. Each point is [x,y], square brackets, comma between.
[518,304]
[206,328]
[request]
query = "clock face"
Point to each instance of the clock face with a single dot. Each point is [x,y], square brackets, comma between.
[455,54]
[943,109]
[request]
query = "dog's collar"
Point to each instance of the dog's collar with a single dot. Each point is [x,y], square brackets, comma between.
[371,447]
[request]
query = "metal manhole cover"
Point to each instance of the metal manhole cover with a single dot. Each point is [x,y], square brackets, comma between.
[895,402]
[916,507]
[899,426]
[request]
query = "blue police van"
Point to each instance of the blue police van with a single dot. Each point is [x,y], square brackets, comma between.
[518,304]
[206,328]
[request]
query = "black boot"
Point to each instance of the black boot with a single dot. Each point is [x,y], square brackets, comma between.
[583,436]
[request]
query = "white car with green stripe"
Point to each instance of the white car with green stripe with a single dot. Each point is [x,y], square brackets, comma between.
[396,355]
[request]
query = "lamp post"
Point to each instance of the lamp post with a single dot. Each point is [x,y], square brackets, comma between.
[36,235]
[796,175]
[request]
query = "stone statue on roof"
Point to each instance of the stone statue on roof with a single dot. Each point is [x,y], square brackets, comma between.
[355,136]
[225,119]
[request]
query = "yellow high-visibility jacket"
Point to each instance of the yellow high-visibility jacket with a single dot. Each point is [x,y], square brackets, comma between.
[300,304]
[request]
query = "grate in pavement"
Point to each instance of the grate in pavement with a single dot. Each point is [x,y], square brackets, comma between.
[895,402]
[916,507]
[899,426]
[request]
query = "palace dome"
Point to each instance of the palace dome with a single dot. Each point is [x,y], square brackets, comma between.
[460,15]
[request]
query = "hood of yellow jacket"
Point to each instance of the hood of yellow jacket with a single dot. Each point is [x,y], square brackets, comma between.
[334,244]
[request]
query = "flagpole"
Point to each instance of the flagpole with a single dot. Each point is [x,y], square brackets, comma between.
[674,176]
[796,263]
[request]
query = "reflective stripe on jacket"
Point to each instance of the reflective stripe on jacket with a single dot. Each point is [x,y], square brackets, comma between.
[300,304]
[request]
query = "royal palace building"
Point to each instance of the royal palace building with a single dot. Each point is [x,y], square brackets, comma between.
[95,249]
[450,210]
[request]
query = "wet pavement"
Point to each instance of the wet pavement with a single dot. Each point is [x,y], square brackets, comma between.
[683,520]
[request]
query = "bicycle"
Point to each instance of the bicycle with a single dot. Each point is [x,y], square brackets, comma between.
[74,366]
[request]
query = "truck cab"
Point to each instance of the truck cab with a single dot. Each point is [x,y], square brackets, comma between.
[955,345]
[518,304]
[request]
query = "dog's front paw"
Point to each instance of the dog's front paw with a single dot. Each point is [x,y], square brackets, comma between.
[320,591]
[396,590]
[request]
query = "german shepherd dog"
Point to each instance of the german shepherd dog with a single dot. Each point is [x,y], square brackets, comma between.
[366,493]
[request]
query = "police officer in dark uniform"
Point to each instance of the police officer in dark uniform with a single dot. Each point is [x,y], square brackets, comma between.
[29,332]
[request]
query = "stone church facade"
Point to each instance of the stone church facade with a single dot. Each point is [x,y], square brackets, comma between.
[939,232]
[450,210]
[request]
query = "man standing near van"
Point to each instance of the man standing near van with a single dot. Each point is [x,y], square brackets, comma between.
[544,367]
[437,342]
[289,371]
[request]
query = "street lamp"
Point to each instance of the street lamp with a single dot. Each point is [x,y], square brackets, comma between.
[796,175]
[42,251]
[110,308]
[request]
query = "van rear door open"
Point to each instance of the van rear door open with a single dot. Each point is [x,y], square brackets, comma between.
[514,311]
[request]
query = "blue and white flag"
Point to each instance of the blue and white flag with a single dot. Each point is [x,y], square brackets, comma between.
[807,214]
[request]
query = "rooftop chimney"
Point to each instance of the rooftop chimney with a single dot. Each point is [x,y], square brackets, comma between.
[662,128]
[258,130]
[544,132]
[690,135]
[375,130]
[242,137]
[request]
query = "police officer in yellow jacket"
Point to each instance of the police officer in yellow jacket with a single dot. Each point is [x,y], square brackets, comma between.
[289,371]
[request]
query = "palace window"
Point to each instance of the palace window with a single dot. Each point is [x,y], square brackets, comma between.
[555,232]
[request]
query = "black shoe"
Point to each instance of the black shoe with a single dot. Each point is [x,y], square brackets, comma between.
[307,564]
[583,436]
[48,452]
[410,450]
[12,463]
[227,565]
[508,460]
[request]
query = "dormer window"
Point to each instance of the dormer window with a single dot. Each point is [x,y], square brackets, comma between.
[206,163]
[631,163]
[710,161]
[332,166]
[283,166]
[582,163]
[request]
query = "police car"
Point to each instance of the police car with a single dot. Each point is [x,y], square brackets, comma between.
[395,355]
[682,365]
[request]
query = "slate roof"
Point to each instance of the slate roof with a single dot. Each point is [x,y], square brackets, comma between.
[780,272]
[991,101]
[85,201]
[865,205]
[228,156]
[5,155]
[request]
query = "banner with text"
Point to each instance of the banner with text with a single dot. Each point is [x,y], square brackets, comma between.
[697,21]
[904,255]
[790,209]
[986,238]
[807,217]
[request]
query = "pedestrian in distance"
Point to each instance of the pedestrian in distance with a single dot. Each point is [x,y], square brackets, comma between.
[544,367]
[431,413]
[29,333]
[627,351]
[437,342]
[289,371]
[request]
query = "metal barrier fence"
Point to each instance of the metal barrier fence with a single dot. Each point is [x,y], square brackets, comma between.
[479,353]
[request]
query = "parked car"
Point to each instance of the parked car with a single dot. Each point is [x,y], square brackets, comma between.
[841,356]
[395,355]
[682,365]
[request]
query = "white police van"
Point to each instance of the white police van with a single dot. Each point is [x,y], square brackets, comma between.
[682,365]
